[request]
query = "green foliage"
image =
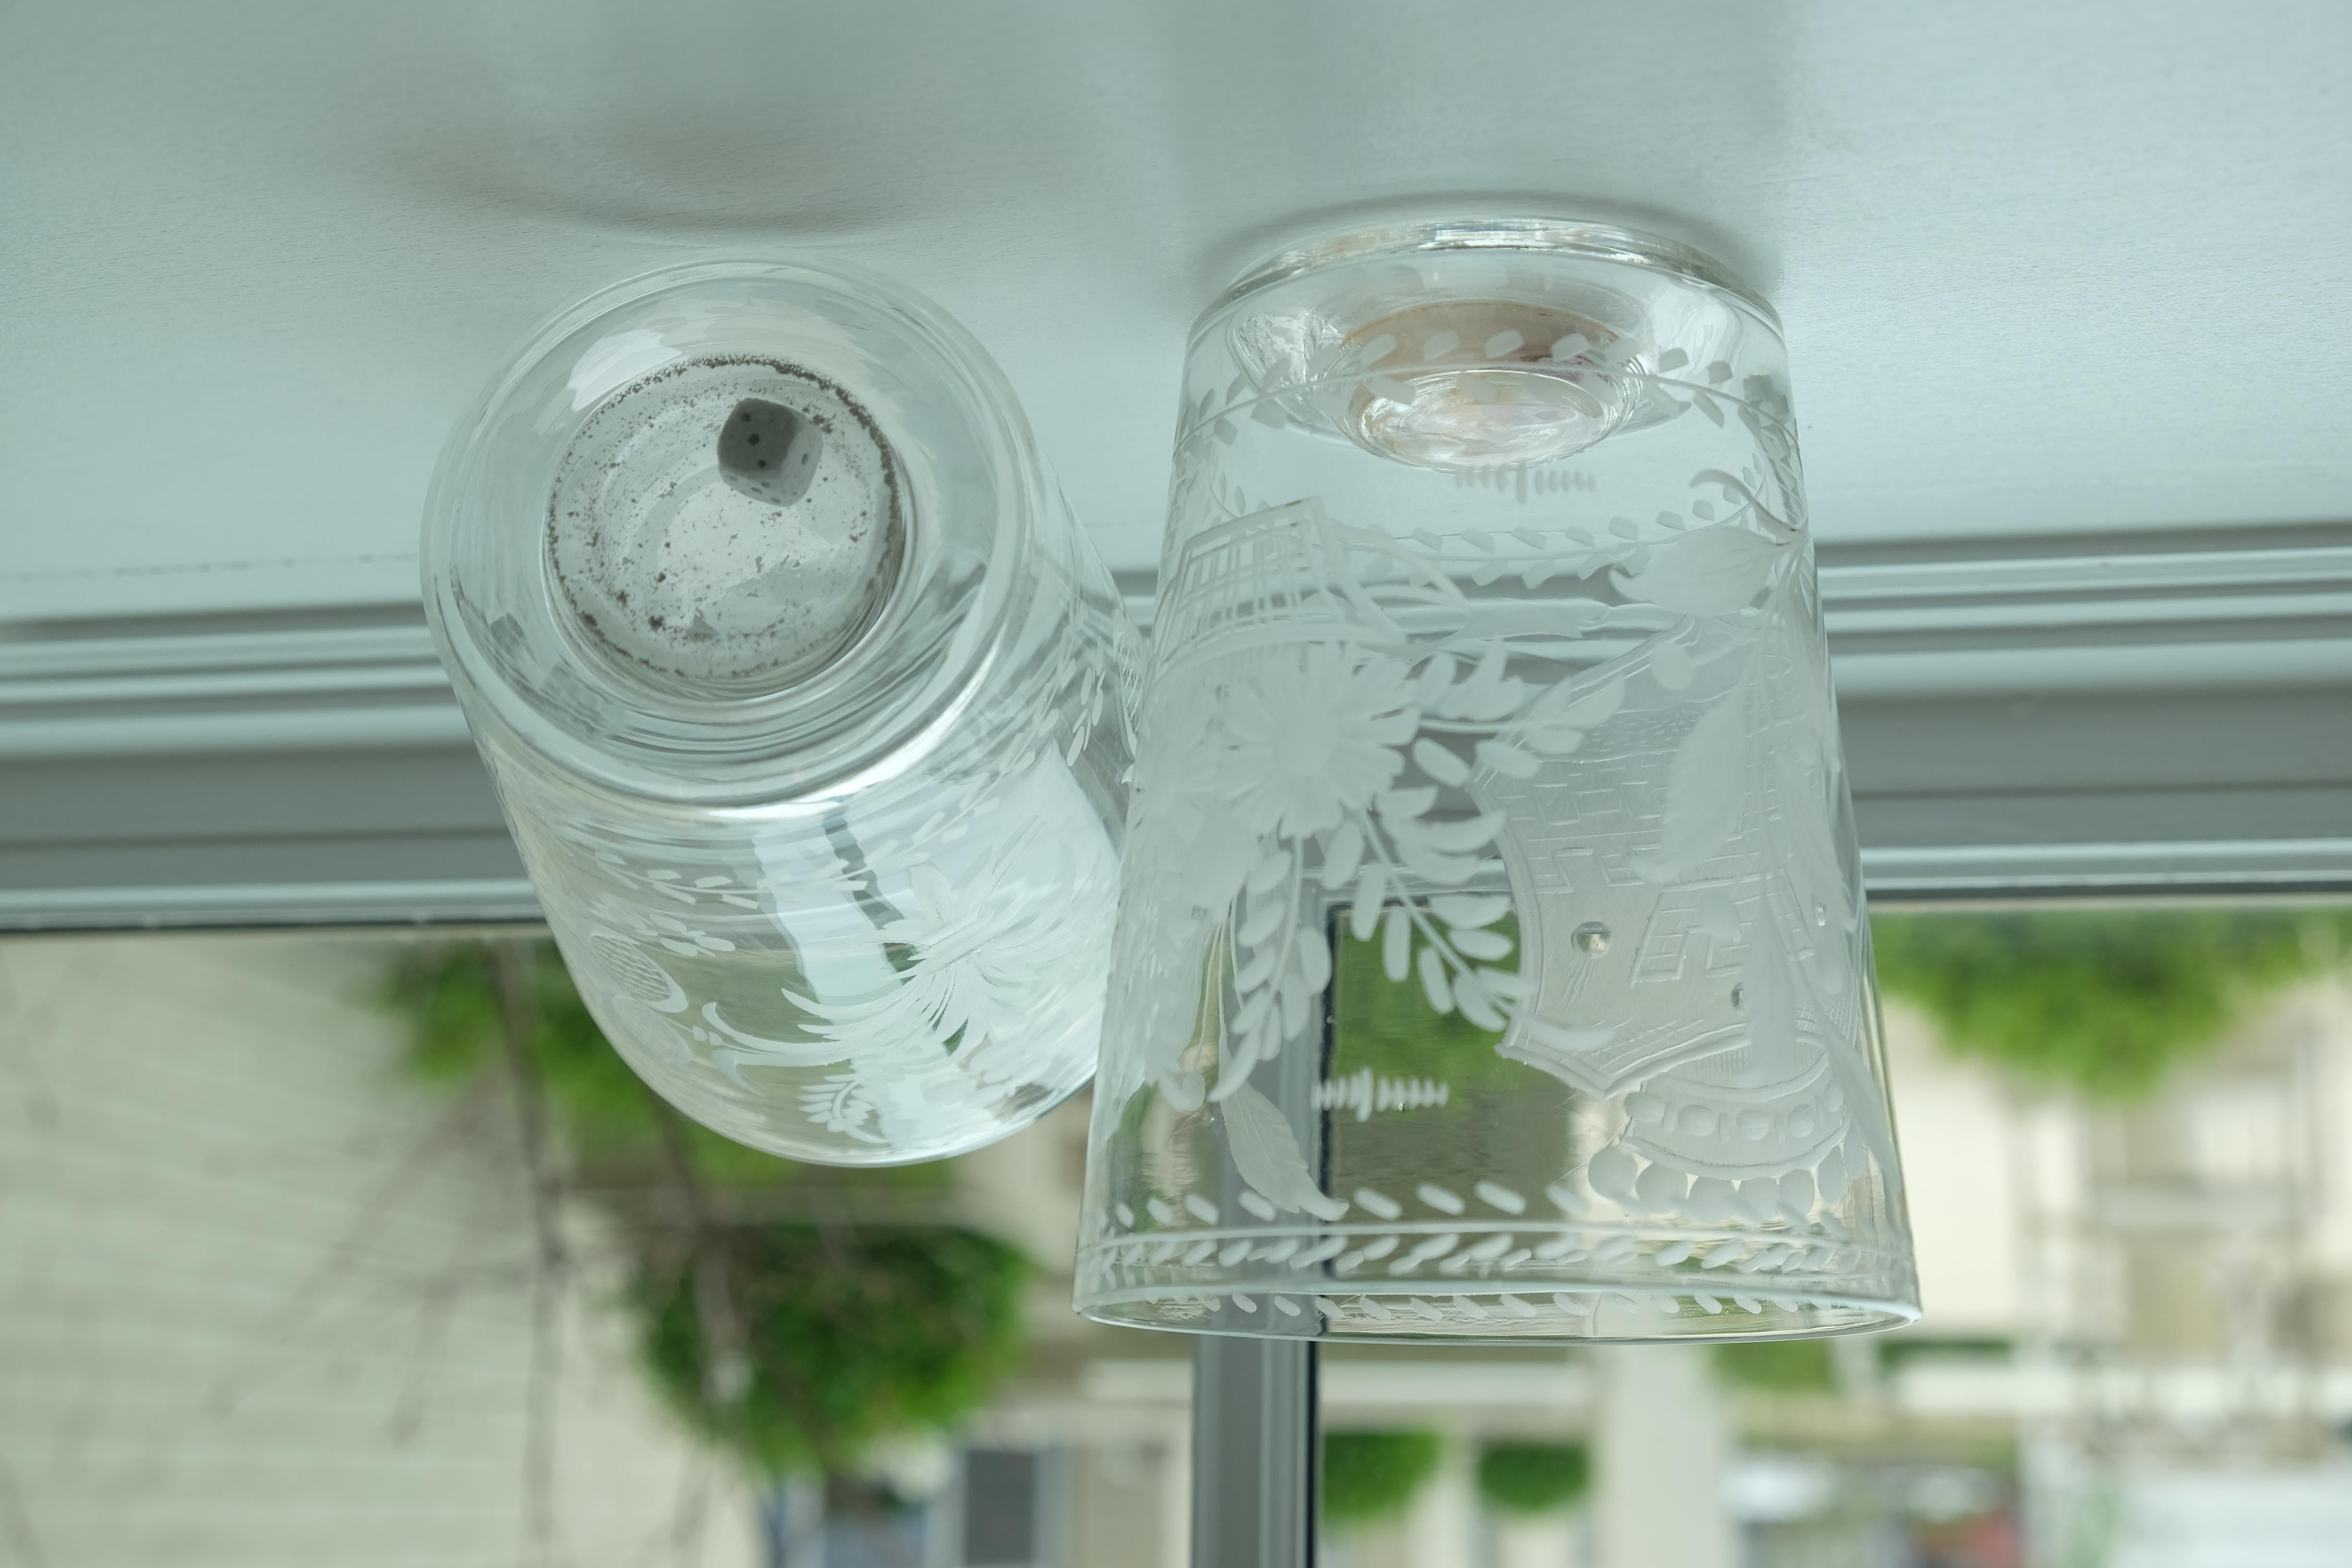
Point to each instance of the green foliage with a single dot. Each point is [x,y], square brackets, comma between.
[1777,1366]
[1372,1476]
[1898,1351]
[1534,1477]
[2104,1001]
[1388,1026]
[846,1337]
[795,1345]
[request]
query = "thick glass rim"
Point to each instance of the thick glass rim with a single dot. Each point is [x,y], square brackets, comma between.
[1875,1315]
[1567,236]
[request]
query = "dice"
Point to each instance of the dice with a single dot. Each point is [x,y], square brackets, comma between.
[768,452]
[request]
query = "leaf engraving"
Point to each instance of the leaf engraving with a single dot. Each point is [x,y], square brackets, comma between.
[1266,1154]
[1711,571]
[1707,786]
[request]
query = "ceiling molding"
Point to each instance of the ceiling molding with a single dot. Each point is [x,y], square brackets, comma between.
[2170,710]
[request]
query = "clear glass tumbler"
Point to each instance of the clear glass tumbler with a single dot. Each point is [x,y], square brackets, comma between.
[806,699]
[1492,960]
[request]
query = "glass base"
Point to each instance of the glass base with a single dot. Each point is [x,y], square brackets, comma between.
[693,558]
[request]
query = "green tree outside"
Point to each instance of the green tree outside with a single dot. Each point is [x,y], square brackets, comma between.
[2104,1002]
[797,1342]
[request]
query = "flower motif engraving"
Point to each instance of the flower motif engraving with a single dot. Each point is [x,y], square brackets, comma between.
[982,955]
[1312,738]
[636,974]
[928,965]
[1339,729]
[970,971]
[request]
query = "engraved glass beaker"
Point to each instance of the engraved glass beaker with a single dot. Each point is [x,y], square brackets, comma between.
[1492,960]
[806,699]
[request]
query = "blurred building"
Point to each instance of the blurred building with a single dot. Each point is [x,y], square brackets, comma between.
[262,1300]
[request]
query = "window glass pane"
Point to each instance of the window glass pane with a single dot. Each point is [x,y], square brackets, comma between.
[302,1257]
[2123,1133]
[866,1527]
[298,1255]
[1000,1508]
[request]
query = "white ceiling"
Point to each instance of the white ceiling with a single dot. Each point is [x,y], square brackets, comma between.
[2044,267]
